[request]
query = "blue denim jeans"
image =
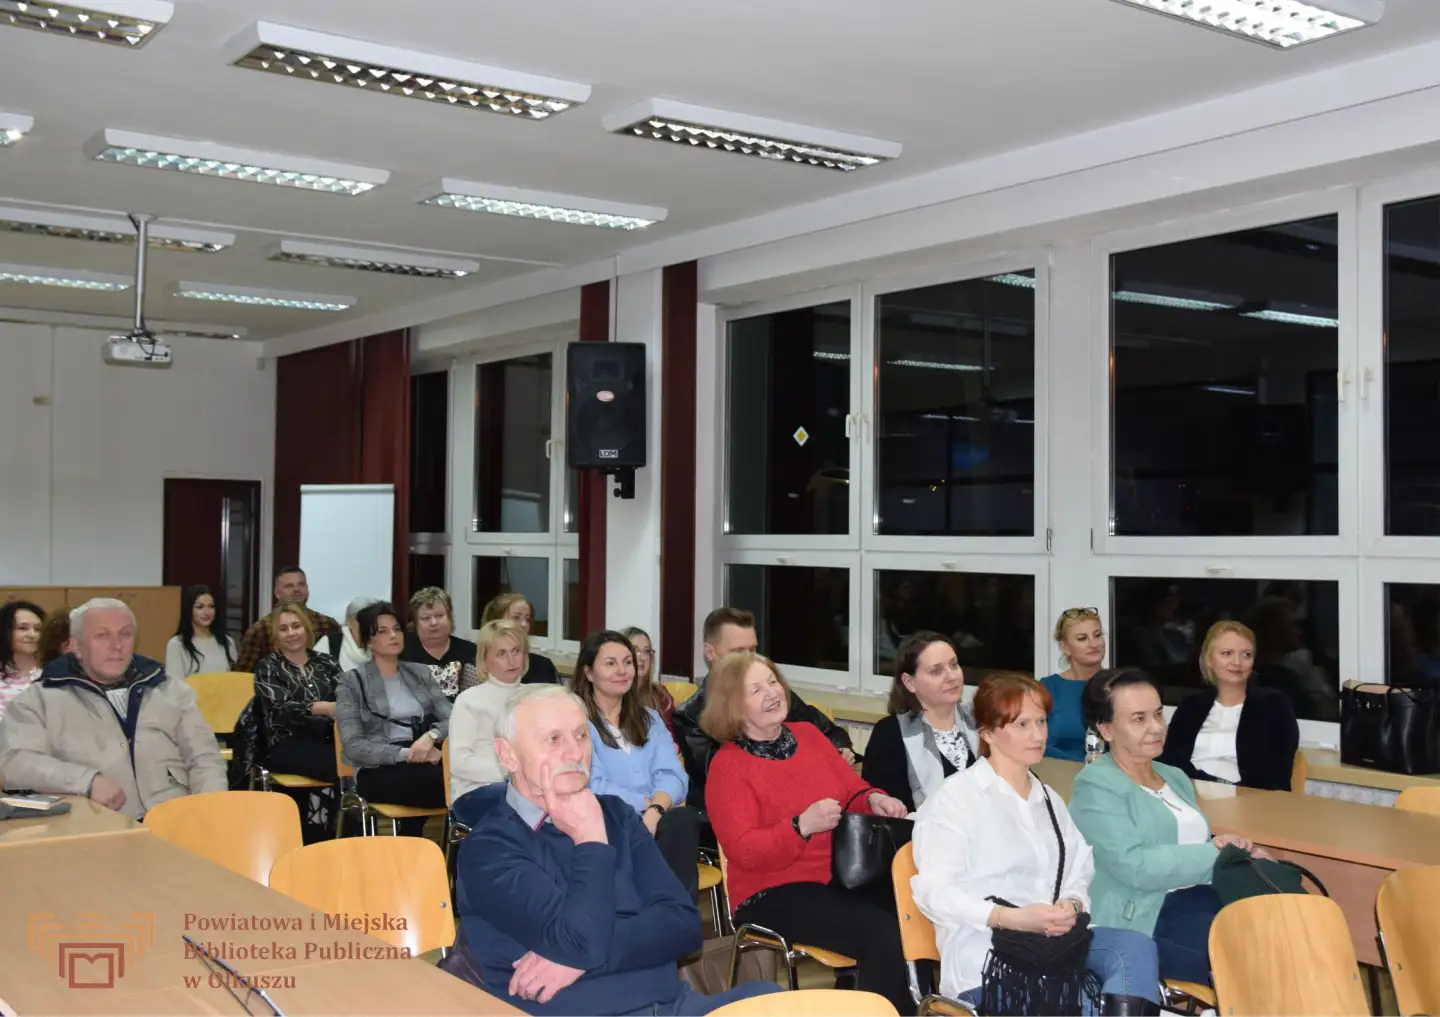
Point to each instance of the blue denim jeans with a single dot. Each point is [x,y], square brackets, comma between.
[1124,961]
[1182,933]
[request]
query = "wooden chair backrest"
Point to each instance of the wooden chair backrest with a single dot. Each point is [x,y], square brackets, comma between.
[810,1003]
[445,770]
[1420,799]
[917,933]
[221,695]
[342,768]
[245,831]
[402,877]
[681,692]
[1408,908]
[1299,773]
[1285,954]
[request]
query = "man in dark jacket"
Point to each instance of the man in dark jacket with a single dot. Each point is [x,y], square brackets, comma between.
[731,630]
[566,905]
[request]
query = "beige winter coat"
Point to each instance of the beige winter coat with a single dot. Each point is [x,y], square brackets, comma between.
[61,731]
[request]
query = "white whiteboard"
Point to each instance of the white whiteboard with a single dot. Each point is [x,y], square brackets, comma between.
[347,543]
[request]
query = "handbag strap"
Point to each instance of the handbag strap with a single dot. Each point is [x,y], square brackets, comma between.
[1059,839]
[866,790]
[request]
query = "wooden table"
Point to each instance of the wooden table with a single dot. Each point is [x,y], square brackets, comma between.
[85,819]
[87,889]
[1351,847]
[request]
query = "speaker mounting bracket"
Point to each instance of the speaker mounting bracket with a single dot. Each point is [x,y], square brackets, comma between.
[624,481]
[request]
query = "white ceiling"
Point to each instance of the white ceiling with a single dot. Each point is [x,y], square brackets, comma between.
[950,79]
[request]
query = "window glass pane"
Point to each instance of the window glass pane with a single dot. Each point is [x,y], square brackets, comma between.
[1412,368]
[802,615]
[1160,625]
[512,425]
[571,523]
[955,412]
[573,622]
[493,575]
[787,402]
[990,617]
[1225,353]
[1412,645]
[429,452]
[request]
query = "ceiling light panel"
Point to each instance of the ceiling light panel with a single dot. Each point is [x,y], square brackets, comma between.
[207,159]
[722,131]
[128,23]
[109,230]
[64,277]
[1278,23]
[566,208]
[424,266]
[13,126]
[263,298]
[355,63]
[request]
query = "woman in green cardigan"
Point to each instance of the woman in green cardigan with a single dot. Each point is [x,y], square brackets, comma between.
[1153,849]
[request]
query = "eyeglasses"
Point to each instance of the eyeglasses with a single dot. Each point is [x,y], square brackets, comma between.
[1080,612]
[230,978]
[649,651]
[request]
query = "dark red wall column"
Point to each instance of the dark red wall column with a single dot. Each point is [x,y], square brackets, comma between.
[676,392]
[594,493]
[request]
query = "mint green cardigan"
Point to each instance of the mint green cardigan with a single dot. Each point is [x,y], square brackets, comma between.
[1133,835]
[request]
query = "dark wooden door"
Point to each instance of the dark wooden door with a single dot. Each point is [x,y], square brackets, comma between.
[212,537]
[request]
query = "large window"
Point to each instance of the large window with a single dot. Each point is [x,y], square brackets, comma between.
[990,617]
[1225,356]
[1412,368]
[512,444]
[802,614]
[955,409]
[1412,633]
[1159,624]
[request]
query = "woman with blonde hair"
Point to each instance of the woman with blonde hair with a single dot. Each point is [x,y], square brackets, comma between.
[647,675]
[500,658]
[1081,639]
[516,607]
[1237,731]
[295,688]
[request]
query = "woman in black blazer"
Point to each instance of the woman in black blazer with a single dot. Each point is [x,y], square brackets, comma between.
[1238,732]
[930,733]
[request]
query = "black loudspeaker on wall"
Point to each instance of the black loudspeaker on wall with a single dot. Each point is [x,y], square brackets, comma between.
[605,406]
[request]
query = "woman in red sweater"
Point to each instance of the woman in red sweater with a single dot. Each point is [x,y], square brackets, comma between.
[774,793]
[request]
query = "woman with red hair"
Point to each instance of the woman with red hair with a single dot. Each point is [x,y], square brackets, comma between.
[997,852]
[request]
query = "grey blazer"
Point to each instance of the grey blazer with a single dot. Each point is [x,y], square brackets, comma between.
[362,709]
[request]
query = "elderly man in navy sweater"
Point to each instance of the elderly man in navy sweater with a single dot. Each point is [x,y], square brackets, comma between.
[566,904]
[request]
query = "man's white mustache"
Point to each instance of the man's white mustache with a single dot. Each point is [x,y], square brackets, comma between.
[579,768]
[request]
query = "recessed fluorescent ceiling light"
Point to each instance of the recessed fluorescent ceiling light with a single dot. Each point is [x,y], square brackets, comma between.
[427,266]
[121,22]
[13,126]
[721,131]
[1013,279]
[316,56]
[1290,318]
[262,298]
[106,230]
[566,208]
[207,159]
[64,277]
[1164,300]
[1278,23]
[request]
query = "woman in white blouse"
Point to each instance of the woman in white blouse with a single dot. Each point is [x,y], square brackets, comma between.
[199,645]
[994,831]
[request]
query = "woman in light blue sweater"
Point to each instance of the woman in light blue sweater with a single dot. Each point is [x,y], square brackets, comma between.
[633,757]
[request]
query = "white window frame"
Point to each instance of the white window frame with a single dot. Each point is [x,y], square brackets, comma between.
[809,677]
[1035,566]
[728,543]
[1375,575]
[1342,571]
[554,545]
[1342,203]
[1371,374]
[1036,260]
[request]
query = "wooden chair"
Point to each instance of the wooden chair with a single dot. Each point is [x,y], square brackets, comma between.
[681,692]
[398,877]
[1285,954]
[750,937]
[711,882]
[245,831]
[455,831]
[1408,909]
[1420,799]
[352,801]
[917,941]
[221,695]
[1299,772]
[810,1003]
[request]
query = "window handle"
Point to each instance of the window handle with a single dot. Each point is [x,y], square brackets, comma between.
[850,425]
[549,447]
[1342,383]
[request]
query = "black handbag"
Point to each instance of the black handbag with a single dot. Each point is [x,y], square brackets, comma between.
[1390,727]
[863,847]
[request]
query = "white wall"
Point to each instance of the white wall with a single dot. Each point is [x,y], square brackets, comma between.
[87,448]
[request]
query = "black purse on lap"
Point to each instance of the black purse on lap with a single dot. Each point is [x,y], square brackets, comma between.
[863,847]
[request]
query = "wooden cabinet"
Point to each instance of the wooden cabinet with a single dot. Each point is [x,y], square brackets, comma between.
[157,608]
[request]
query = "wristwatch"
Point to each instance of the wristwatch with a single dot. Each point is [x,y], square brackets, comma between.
[435,736]
[657,807]
[795,822]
